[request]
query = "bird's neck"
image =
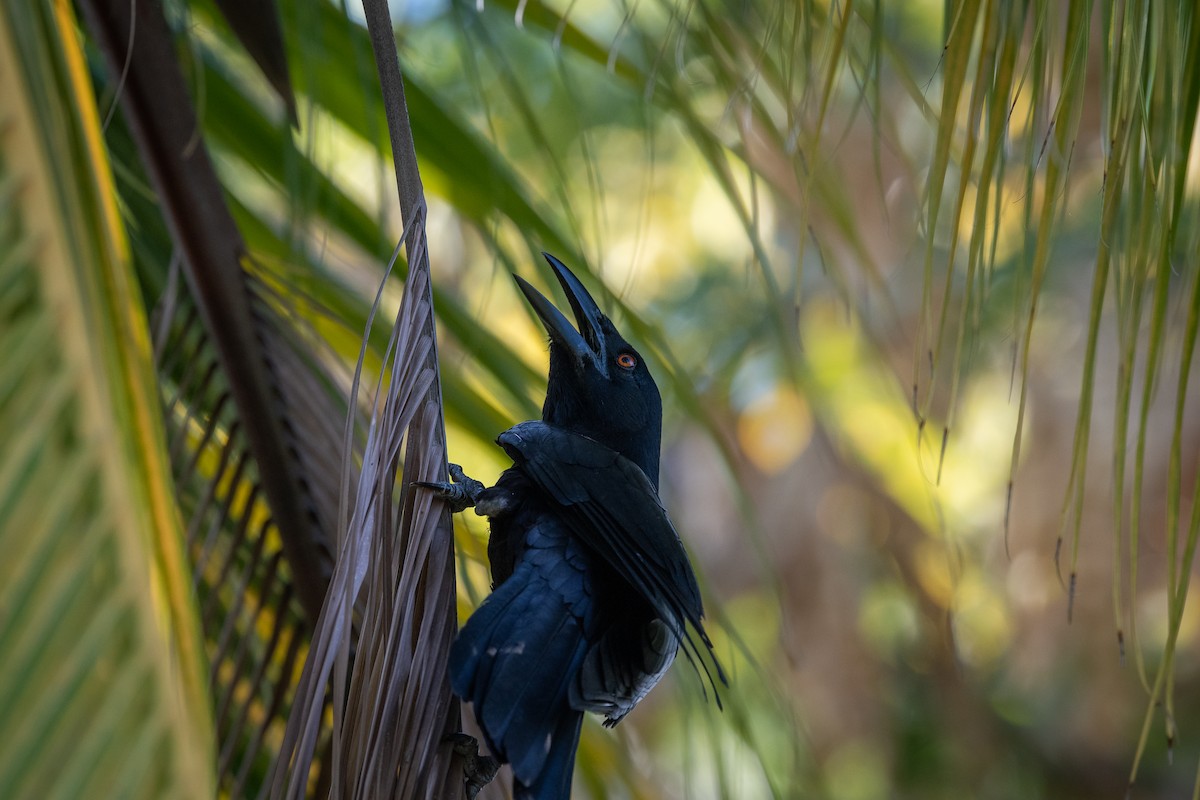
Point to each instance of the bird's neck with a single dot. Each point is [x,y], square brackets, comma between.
[642,450]
[642,447]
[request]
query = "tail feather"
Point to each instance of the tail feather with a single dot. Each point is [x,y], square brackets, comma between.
[467,651]
[515,660]
[554,781]
[527,693]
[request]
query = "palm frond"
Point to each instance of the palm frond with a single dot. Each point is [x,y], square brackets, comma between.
[103,689]
[253,407]
[163,123]
[392,706]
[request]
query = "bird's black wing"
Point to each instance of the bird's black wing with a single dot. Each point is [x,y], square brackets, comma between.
[612,508]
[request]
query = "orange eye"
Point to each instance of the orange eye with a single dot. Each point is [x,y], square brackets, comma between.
[626,361]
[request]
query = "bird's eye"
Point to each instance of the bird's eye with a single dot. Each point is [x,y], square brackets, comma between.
[626,361]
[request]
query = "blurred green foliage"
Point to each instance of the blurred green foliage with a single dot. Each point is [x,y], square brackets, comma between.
[894,265]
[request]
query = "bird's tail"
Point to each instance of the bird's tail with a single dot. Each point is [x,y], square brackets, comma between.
[515,660]
[554,781]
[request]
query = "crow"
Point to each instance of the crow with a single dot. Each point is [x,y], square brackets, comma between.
[593,593]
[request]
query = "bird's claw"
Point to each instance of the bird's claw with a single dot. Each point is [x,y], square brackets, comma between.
[478,771]
[460,493]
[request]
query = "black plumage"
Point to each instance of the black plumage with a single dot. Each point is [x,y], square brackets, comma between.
[593,592]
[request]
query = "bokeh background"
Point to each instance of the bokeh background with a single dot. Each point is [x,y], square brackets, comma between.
[918,282]
[891,633]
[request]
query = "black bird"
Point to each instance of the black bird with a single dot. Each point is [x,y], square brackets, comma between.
[593,593]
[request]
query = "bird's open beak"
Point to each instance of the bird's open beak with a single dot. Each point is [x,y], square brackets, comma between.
[587,343]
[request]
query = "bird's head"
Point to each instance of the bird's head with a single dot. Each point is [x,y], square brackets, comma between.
[599,385]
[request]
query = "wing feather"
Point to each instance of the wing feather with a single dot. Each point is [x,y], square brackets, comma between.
[612,508]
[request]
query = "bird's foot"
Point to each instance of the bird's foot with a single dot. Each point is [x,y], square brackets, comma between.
[478,771]
[463,492]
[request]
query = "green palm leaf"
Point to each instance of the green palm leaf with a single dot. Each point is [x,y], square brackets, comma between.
[101,682]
